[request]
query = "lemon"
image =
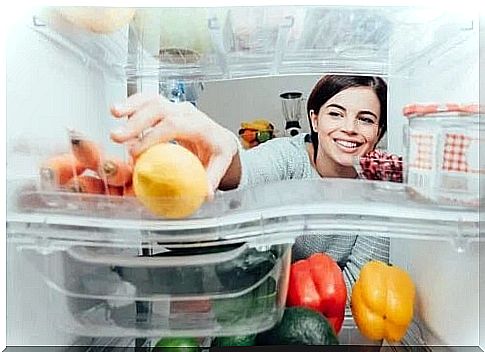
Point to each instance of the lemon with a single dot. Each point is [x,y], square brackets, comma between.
[170,181]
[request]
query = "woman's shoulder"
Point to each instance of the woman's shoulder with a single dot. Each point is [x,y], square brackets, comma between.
[290,153]
[287,144]
[277,159]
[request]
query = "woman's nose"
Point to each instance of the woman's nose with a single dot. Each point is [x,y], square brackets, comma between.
[349,124]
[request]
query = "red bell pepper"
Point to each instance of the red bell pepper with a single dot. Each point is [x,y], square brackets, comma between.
[318,283]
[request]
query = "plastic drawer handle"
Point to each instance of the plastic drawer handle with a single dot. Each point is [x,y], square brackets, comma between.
[85,255]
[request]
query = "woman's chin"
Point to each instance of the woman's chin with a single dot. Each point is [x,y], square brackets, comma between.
[347,161]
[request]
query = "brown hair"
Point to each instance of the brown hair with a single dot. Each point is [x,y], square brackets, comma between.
[330,85]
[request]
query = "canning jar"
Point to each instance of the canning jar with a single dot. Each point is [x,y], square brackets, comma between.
[442,142]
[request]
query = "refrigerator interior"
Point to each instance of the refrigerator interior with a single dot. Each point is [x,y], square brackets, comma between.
[68,77]
[49,81]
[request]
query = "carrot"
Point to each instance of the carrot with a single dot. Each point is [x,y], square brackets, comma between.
[117,172]
[87,152]
[85,184]
[115,191]
[59,169]
[195,306]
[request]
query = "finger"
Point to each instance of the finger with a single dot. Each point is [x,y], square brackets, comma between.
[148,116]
[133,103]
[159,134]
[210,193]
[216,169]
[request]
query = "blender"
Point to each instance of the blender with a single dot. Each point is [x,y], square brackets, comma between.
[291,103]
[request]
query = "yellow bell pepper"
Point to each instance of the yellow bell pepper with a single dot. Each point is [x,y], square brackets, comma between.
[382,301]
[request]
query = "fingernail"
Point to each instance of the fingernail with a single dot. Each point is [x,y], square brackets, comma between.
[117,107]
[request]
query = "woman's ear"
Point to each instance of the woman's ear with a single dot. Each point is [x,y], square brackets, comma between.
[314,120]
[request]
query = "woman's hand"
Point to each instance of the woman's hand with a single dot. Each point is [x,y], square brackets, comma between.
[153,119]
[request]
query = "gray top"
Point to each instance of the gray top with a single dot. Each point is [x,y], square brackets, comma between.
[287,158]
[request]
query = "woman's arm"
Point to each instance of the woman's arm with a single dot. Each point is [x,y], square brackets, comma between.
[232,177]
[271,161]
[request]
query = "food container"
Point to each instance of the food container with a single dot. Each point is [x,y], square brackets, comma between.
[443,164]
[380,166]
[194,291]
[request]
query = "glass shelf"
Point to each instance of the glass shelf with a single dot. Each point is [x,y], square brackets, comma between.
[208,44]
[264,214]
[243,42]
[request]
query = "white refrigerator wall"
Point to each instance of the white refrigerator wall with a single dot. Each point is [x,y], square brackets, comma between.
[447,289]
[231,102]
[446,73]
[447,281]
[482,183]
[482,296]
[48,89]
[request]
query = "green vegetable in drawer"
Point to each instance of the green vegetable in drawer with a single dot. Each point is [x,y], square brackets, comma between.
[299,326]
[257,302]
[246,270]
[176,344]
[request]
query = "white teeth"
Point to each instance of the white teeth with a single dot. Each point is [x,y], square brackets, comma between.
[346,144]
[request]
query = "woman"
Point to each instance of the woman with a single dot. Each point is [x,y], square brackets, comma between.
[347,117]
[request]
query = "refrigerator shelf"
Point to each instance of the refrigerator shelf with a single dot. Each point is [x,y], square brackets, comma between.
[259,215]
[242,42]
[348,336]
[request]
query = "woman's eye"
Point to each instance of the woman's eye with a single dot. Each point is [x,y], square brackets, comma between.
[335,114]
[367,120]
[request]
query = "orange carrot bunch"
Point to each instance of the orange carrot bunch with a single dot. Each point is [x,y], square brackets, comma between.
[117,172]
[87,170]
[88,153]
[85,184]
[59,169]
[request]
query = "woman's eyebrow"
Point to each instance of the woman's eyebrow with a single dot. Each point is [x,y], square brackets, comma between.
[368,112]
[336,106]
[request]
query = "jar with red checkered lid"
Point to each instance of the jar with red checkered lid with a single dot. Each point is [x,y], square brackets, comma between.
[442,142]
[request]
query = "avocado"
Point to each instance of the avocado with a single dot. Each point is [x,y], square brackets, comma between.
[299,326]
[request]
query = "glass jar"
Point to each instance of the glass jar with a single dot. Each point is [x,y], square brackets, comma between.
[443,163]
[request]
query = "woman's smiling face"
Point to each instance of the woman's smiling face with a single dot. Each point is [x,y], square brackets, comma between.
[347,125]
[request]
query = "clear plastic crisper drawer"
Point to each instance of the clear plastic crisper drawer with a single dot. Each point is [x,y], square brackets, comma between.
[212,291]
